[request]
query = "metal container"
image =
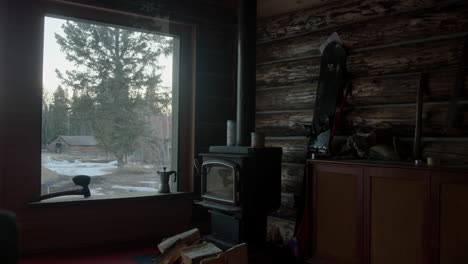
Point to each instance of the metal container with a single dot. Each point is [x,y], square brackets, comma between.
[257,140]
[231,133]
[164,183]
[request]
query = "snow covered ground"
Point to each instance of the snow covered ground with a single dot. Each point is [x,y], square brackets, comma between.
[112,181]
[97,191]
[134,189]
[76,167]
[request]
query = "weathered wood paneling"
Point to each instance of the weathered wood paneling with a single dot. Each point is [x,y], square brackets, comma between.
[283,124]
[292,177]
[365,91]
[287,209]
[390,44]
[299,97]
[400,120]
[383,31]
[448,152]
[294,150]
[402,89]
[288,73]
[408,58]
[332,15]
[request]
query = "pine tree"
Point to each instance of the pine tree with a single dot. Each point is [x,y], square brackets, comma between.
[116,68]
[81,115]
[58,114]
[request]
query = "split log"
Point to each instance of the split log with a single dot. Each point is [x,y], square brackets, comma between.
[332,15]
[195,254]
[187,237]
[234,255]
[280,231]
[416,25]
[171,254]
[213,260]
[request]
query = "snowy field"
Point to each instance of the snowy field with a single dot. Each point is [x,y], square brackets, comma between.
[77,167]
[106,178]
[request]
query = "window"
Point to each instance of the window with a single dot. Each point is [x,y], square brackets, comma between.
[108,106]
[46,226]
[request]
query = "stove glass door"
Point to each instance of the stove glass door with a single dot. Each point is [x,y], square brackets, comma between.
[219,181]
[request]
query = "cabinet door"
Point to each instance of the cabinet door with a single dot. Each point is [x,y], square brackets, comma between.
[450,198]
[397,206]
[337,211]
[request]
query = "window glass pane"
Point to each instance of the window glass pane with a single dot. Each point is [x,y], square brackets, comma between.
[107,108]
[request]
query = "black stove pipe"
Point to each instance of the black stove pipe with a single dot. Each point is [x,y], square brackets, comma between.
[246,71]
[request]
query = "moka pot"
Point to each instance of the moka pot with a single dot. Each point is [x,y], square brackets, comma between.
[165,176]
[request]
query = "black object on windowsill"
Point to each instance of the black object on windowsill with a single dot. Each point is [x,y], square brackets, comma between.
[80,180]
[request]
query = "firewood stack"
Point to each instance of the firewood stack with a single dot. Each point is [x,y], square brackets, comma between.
[189,248]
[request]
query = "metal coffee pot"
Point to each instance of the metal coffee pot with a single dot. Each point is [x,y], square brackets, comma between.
[165,176]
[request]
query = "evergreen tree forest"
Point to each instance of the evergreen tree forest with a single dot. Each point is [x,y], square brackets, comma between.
[115,87]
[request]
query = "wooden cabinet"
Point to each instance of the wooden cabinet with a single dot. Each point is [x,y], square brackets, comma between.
[450,216]
[397,210]
[383,213]
[337,203]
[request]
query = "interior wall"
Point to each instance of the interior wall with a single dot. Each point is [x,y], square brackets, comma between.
[393,46]
[3,8]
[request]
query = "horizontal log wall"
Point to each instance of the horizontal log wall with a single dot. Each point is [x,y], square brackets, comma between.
[393,46]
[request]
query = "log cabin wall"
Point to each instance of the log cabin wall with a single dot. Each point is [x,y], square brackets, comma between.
[393,46]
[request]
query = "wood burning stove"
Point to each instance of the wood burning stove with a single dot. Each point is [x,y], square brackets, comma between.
[240,186]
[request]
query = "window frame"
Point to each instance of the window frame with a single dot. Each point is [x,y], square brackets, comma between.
[38,223]
[185,67]
[174,95]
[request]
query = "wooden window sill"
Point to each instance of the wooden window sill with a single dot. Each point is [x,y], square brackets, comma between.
[73,200]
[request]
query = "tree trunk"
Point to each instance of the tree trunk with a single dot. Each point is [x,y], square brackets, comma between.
[120,162]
